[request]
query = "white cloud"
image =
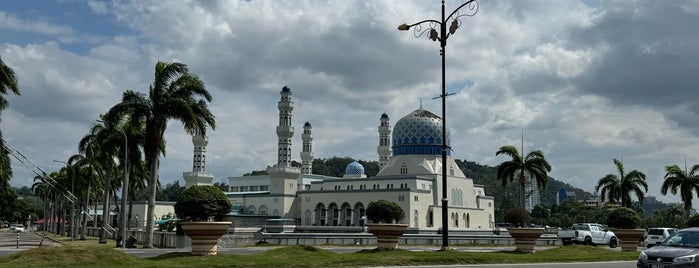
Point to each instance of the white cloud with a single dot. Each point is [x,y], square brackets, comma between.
[575,81]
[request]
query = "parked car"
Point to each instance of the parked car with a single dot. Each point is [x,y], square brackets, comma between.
[657,235]
[678,250]
[589,234]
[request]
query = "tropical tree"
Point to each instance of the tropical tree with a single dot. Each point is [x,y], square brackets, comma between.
[686,182]
[619,187]
[172,95]
[101,145]
[534,166]
[8,83]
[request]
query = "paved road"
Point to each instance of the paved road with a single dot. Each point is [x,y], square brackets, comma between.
[11,242]
[28,240]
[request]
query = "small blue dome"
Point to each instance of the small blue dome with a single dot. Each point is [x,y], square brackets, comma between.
[384,115]
[286,89]
[354,168]
[307,124]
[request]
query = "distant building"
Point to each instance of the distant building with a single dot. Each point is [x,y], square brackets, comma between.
[532,197]
[564,195]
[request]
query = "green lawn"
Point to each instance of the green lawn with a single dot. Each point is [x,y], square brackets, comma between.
[90,254]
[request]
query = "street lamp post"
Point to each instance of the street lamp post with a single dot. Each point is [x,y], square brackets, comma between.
[442,36]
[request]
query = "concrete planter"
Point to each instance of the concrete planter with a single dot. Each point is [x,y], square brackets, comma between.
[205,235]
[525,238]
[387,235]
[629,238]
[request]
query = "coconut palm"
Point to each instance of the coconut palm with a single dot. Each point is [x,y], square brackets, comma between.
[102,144]
[172,95]
[534,165]
[619,187]
[686,182]
[8,83]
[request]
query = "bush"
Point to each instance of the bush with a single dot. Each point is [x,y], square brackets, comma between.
[384,211]
[693,221]
[200,202]
[517,216]
[623,218]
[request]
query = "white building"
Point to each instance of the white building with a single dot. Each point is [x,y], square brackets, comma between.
[410,175]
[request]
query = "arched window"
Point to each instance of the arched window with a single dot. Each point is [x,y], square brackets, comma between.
[307,217]
[263,210]
[251,209]
[468,220]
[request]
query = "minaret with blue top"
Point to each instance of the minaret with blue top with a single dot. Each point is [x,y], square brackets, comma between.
[285,131]
[283,177]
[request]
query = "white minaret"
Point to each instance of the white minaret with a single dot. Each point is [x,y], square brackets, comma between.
[384,148]
[198,176]
[285,131]
[199,160]
[307,152]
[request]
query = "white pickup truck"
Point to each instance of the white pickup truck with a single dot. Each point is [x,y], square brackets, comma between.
[588,234]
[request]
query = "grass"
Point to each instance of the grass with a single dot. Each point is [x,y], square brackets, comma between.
[90,254]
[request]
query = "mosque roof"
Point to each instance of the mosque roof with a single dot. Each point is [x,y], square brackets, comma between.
[419,132]
[354,168]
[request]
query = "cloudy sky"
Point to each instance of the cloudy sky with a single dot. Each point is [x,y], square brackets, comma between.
[587,81]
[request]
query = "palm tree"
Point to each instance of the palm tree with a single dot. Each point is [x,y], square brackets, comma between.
[101,146]
[533,165]
[618,187]
[8,82]
[171,96]
[686,182]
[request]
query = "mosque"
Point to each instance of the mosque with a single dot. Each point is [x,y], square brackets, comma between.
[410,174]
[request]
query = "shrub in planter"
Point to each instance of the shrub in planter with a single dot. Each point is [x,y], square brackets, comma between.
[384,211]
[202,202]
[623,218]
[517,216]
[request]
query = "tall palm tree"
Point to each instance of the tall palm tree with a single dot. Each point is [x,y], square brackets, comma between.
[172,95]
[8,83]
[102,144]
[686,182]
[533,165]
[619,187]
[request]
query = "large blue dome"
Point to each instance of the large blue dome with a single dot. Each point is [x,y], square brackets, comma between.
[354,168]
[419,132]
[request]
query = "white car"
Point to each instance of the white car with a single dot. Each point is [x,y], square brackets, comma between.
[18,228]
[657,235]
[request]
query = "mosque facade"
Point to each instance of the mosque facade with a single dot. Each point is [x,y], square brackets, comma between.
[410,174]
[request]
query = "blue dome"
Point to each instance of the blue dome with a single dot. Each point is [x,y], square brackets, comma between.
[384,115]
[354,168]
[286,89]
[419,132]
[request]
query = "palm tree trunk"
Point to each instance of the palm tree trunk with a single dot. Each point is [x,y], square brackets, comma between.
[687,209]
[105,207]
[87,209]
[152,191]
